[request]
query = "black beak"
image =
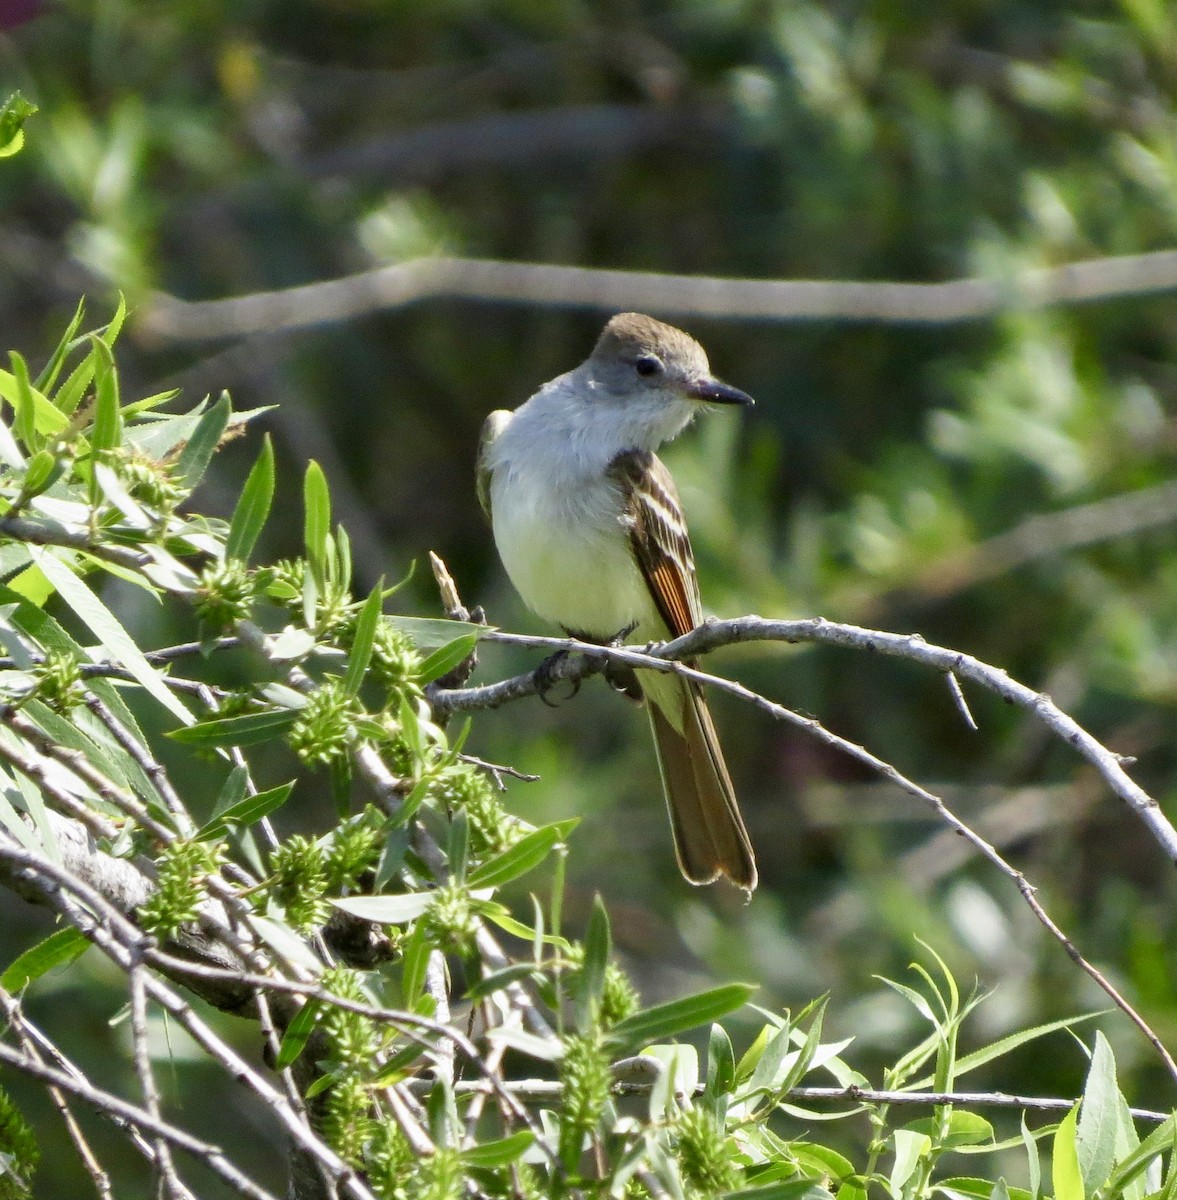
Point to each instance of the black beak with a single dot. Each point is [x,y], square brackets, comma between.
[712,391]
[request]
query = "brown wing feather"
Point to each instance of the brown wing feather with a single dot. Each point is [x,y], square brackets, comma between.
[658,535]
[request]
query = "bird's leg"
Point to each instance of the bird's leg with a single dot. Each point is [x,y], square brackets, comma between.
[620,676]
[547,675]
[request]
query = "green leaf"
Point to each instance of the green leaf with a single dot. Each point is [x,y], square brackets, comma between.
[365,636]
[981,1189]
[1065,1173]
[1098,1117]
[500,1152]
[598,946]
[253,506]
[57,950]
[964,1129]
[245,730]
[43,470]
[523,856]
[445,659]
[25,422]
[497,980]
[677,1016]
[428,633]
[414,965]
[13,115]
[317,523]
[821,1160]
[105,627]
[297,1032]
[721,1063]
[246,812]
[202,444]
[1035,1166]
[1003,1046]
[910,1147]
[386,910]
[795,1189]
[107,429]
[52,368]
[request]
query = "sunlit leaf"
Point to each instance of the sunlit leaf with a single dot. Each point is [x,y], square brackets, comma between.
[253,506]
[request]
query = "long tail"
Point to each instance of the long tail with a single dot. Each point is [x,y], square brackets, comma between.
[709,835]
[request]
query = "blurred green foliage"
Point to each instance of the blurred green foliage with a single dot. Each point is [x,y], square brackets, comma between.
[213,149]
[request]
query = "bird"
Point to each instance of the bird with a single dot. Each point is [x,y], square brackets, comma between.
[589,527]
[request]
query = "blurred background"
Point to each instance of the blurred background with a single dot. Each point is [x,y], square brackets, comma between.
[202,149]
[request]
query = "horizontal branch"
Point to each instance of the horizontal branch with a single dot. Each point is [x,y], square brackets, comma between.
[167,318]
[547,1091]
[110,1105]
[714,634]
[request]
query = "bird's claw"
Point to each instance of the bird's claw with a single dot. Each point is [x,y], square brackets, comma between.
[546,676]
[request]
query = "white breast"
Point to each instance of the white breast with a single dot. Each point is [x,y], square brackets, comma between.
[567,553]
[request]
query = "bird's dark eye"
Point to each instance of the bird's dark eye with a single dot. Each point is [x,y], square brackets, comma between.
[648,365]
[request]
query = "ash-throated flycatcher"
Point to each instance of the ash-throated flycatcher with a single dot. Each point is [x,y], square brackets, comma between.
[589,527]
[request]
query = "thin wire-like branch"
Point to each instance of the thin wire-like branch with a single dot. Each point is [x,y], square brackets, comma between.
[167,318]
[125,944]
[714,634]
[141,1056]
[122,1110]
[38,1047]
[547,1091]
[718,633]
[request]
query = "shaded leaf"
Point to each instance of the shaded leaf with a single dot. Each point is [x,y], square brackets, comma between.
[523,856]
[57,950]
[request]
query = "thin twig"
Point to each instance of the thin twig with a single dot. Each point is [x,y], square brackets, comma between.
[37,1046]
[547,1091]
[718,633]
[111,1105]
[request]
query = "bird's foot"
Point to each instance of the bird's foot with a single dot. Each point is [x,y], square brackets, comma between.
[547,675]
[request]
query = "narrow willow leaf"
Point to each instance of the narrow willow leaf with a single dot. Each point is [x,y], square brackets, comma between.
[25,422]
[107,430]
[1002,1047]
[317,517]
[598,946]
[57,950]
[294,1040]
[721,1063]
[415,965]
[102,623]
[253,506]
[666,1020]
[386,910]
[1035,1164]
[52,368]
[445,659]
[523,856]
[429,633]
[246,812]
[498,1153]
[1064,1163]
[202,445]
[43,470]
[245,730]
[1098,1118]
[364,639]
[497,980]
[70,394]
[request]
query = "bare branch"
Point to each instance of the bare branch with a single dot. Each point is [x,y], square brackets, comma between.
[547,1091]
[168,319]
[122,1110]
